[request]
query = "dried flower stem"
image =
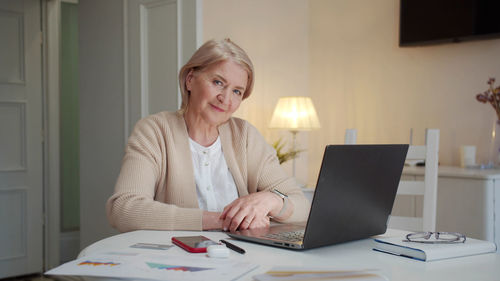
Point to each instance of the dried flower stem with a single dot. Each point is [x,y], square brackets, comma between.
[492,96]
[496,98]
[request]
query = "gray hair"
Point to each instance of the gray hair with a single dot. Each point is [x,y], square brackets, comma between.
[215,51]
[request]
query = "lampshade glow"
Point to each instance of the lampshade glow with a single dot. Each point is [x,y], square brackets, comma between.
[295,114]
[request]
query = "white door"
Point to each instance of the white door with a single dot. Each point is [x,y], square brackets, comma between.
[21,214]
[153,57]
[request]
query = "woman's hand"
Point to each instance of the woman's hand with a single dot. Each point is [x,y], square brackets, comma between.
[250,211]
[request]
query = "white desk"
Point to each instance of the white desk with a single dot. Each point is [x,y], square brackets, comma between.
[468,201]
[350,256]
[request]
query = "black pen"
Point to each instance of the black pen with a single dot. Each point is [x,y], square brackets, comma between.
[233,247]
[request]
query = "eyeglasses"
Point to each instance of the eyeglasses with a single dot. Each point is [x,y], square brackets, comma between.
[435,237]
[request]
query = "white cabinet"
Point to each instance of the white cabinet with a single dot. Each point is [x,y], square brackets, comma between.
[468,200]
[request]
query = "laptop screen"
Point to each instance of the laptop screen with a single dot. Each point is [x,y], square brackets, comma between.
[355,192]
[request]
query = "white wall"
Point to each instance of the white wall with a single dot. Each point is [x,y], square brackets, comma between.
[101,112]
[275,36]
[360,78]
[345,55]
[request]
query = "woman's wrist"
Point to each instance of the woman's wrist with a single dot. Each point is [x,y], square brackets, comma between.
[211,220]
[285,209]
[280,205]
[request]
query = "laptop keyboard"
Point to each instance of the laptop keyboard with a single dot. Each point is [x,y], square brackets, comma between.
[291,236]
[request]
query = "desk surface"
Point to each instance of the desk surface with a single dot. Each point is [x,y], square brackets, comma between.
[346,256]
[456,172]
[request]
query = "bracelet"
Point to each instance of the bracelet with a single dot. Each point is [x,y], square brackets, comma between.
[285,201]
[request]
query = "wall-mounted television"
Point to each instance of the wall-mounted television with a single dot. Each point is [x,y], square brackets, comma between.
[424,22]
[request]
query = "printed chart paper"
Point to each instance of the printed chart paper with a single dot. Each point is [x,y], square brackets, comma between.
[154,266]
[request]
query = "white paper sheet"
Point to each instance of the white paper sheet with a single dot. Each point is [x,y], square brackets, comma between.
[154,266]
[314,274]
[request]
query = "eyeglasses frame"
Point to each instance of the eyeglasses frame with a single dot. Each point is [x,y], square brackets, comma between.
[458,237]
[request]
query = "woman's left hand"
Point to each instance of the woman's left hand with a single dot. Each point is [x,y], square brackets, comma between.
[250,211]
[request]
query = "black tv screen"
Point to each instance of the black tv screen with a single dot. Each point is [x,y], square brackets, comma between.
[424,22]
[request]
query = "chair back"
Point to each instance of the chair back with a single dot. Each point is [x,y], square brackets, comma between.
[425,186]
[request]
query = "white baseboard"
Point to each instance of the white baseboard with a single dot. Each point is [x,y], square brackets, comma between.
[69,245]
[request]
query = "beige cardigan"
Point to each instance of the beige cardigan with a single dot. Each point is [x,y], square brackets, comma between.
[156,187]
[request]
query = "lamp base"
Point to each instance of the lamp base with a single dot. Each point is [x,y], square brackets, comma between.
[299,183]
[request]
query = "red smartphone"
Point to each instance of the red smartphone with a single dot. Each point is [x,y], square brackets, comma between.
[193,244]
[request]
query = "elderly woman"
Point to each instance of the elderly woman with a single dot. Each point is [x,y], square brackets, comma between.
[199,168]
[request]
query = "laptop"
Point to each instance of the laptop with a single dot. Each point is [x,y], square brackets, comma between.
[354,195]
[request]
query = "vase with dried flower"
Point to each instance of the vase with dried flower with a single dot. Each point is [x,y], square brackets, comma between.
[284,156]
[492,96]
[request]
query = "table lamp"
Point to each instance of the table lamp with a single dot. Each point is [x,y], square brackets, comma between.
[294,114]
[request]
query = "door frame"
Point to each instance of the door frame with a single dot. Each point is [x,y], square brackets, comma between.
[189,39]
[51,24]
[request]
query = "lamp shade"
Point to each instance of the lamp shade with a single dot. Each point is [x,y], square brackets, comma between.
[295,114]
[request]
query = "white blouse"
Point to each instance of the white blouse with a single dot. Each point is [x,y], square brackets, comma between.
[215,185]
